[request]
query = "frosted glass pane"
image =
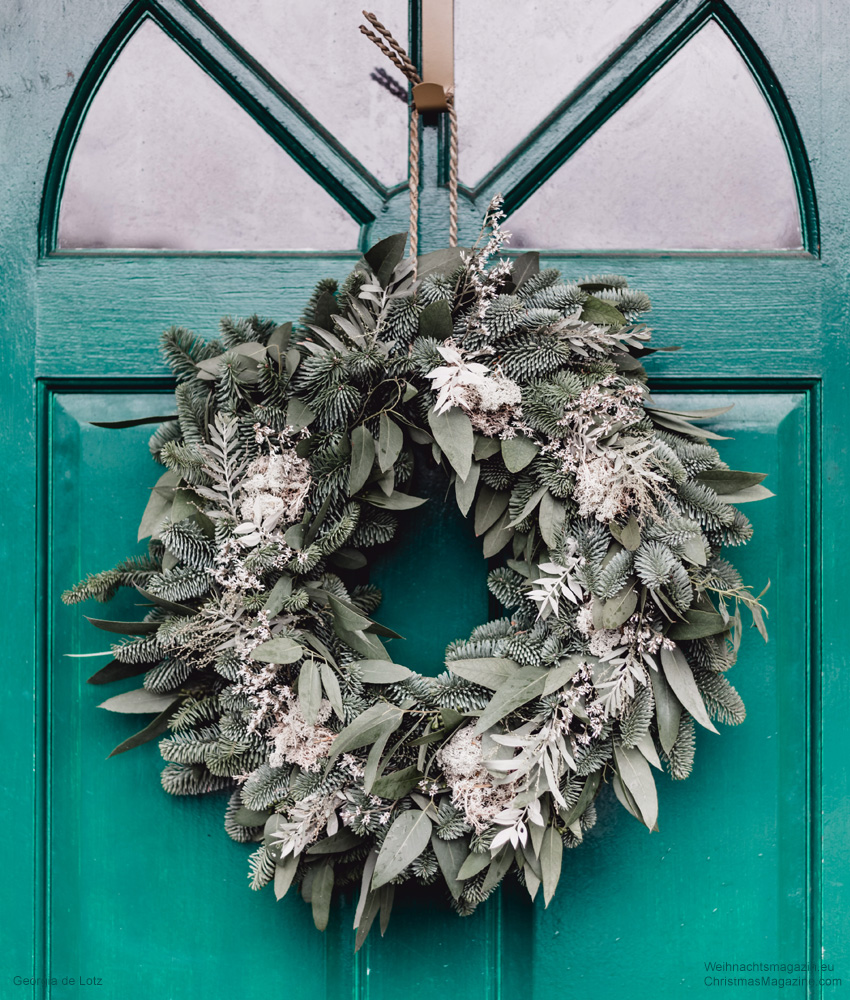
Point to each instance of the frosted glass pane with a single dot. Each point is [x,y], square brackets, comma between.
[167,160]
[313,48]
[515,63]
[693,161]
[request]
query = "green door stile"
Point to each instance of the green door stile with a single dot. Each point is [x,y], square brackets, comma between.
[106,876]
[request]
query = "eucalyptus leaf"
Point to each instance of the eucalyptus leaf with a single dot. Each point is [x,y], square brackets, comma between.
[485,447]
[406,840]
[337,843]
[124,628]
[628,535]
[284,873]
[366,728]
[489,671]
[724,481]
[384,256]
[151,731]
[749,495]
[298,414]
[158,505]
[601,313]
[452,430]
[278,595]
[382,672]
[529,506]
[621,607]
[395,501]
[435,321]
[518,452]
[489,508]
[552,517]
[310,691]
[397,784]
[668,709]
[550,862]
[332,690]
[679,675]
[465,488]
[474,864]
[698,625]
[390,441]
[281,649]
[138,701]
[636,776]
[116,670]
[518,690]
[362,459]
[451,855]
[497,537]
[323,884]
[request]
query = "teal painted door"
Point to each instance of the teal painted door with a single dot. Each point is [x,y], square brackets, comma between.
[109,879]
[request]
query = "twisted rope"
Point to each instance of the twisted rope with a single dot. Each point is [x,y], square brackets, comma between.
[400,59]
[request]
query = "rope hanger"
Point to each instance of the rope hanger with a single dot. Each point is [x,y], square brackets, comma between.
[398,56]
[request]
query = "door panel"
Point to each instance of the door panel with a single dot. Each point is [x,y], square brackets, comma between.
[144,881]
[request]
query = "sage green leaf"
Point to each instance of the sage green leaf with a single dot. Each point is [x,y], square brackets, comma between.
[668,423]
[395,501]
[551,517]
[556,677]
[390,441]
[382,672]
[385,255]
[451,854]
[524,267]
[497,537]
[489,508]
[668,710]
[369,646]
[550,862]
[310,691]
[158,505]
[749,495]
[366,728]
[439,261]
[153,729]
[636,775]
[281,649]
[284,873]
[298,414]
[488,671]
[115,670]
[601,313]
[362,459]
[724,481]
[646,745]
[346,616]
[621,606]
[678,672]
[171,606]
[323,884]
[474,864]
[386,895]
[277,596]
[347,558]
[137,422]
[693,549]
[498,869]
[625,798]
[250,817]
[587,795]
[397,784]
[518,451]
[532,502]
[698,624]
[452,431]
[279,338]
[373,759]
[406,840]
[627,535]
[294,536]
[138,701]
[435,321]
[124,628]
[518,690]
[486,447]
[185,505]
[342,840]
[707,414]
[331,686]
[465,488]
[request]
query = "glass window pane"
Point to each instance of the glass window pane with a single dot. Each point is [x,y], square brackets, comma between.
[515,63]
[167,160]
[693,161]
[314,50]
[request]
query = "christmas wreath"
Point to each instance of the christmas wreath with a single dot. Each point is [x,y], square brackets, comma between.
[288,458]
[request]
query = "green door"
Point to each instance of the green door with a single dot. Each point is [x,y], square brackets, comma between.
[173,162]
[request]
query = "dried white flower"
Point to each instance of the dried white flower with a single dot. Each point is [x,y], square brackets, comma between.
[472,785]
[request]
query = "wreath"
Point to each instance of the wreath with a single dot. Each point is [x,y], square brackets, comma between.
[288,459]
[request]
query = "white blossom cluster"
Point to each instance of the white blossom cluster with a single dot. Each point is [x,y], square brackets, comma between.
[472,786]
[298,742]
